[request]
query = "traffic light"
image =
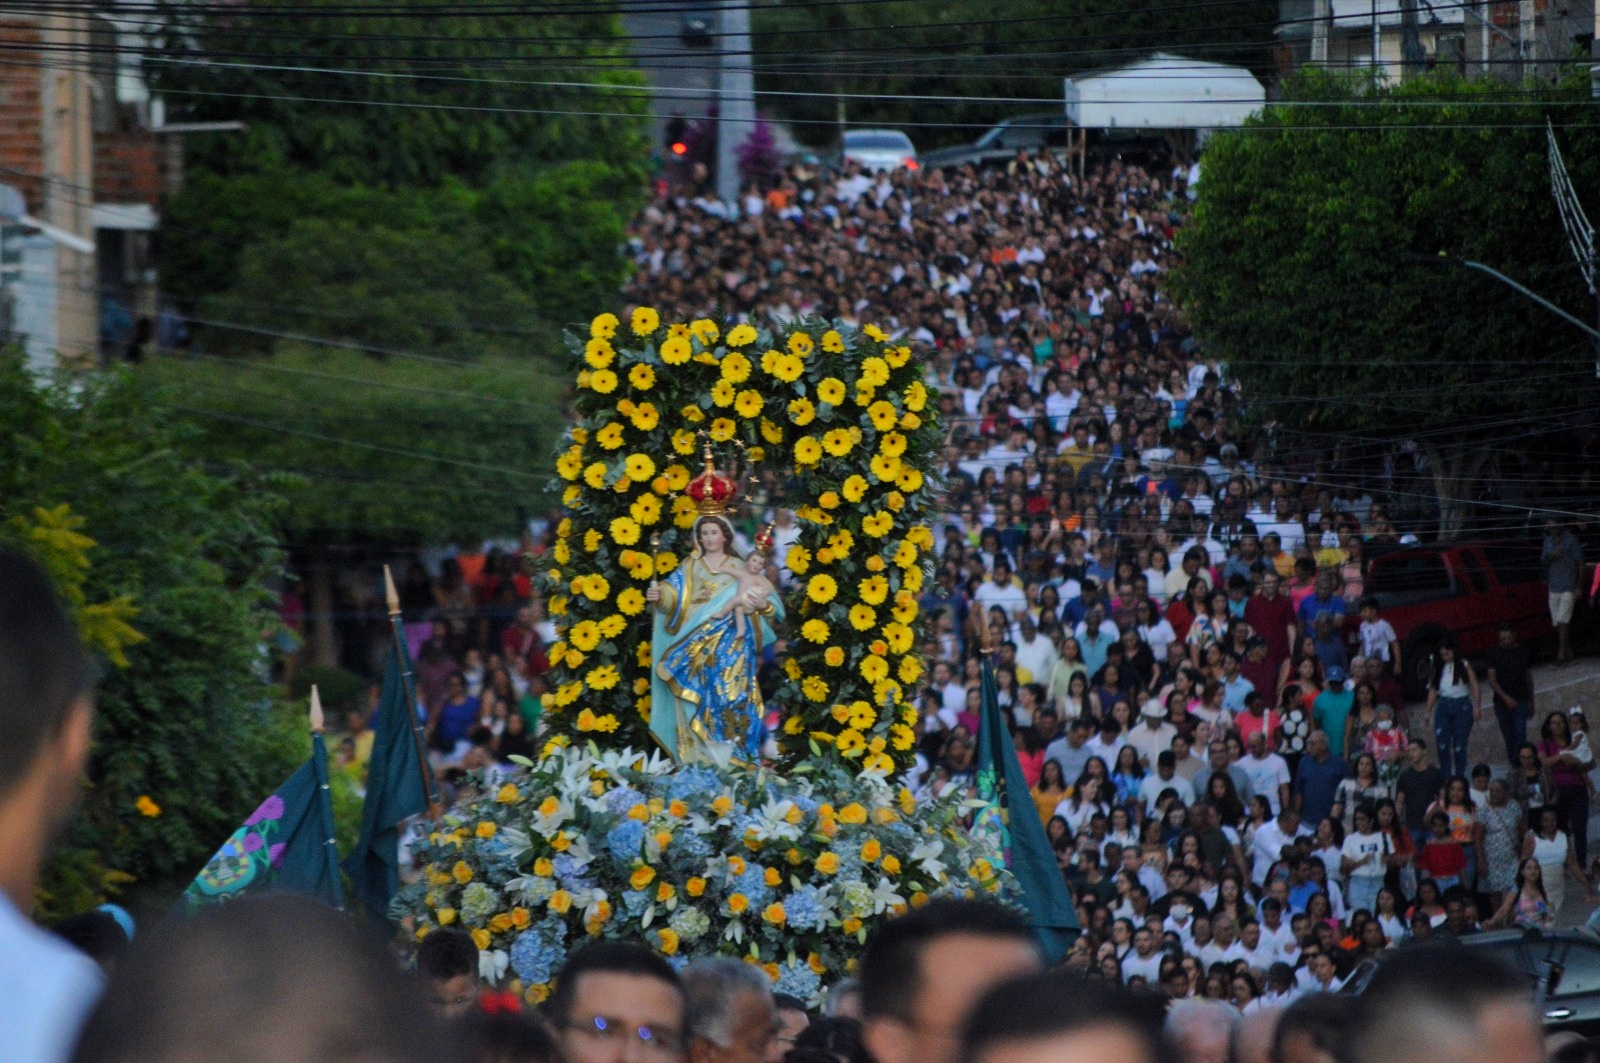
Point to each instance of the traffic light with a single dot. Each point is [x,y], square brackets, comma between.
[674,136]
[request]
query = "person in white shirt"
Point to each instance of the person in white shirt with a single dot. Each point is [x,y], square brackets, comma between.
[1266,848]
[1002,590]
[46,716]
[1277,934]
[1164,778]
[1108,743]
[1363,860]
[1034,652]
[1153,735]
[1145,959]
[1252,949]
[1268,772]
[1222,941]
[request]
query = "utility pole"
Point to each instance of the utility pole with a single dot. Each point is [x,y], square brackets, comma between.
[1414,57]
[66,197]
[736,97]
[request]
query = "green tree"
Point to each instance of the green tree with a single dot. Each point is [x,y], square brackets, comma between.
[407,95]
[1301,266]
[964,51]
[185,554]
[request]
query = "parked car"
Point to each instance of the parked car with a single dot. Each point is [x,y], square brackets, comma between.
[1461,589]
[1034,132]
[877,149]
[1563,969]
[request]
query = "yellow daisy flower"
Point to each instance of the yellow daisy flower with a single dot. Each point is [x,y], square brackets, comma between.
[736,367]
[863,617]
[676,351]
[639,466]
[832,342]
[807,451]
[642,377]
[820,588]
[603,381]
[801,412]
[814,631]
[748,403]
[741,336]
[645,321]
[831,391]
[604,327]
[837,442]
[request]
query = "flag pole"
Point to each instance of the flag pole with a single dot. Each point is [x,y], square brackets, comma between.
[408,682]
[319,762]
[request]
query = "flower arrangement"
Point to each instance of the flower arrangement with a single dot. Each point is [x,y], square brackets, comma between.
[787,870]
[846,413]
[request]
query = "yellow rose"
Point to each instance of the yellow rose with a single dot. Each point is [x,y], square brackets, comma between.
[560,902]
[774,914]
[445,916]
[461,872]
[485,829]
[738,903]
[890,865]
[667,939]
[828,863]
[871,851]
[642,877]
[695,887]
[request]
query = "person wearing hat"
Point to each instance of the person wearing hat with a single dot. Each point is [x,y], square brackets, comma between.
[1153,736]
[1332,708]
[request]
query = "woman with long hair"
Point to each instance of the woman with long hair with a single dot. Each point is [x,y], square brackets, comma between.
[1127,775]
[1386,913]
[1453,702]
[1465,830]
[1362,787]
[1527,905]
[1223,797]
[1548,844]
[1566,770]
[1402,851]
[1050,791]
[1530,783]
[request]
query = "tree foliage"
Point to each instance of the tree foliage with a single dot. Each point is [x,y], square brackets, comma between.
[398,100]
[189,552]
[1311,261]
[410,185]
[970,49]
[399,449]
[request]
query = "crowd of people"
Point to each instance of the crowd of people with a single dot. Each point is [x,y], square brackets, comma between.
[1204,699]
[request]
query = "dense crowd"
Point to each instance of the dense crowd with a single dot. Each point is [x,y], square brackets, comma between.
[1205,701]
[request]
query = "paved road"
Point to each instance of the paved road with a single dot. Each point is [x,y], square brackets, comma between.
[1555,687]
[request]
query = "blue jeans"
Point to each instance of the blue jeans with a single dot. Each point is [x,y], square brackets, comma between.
[1363,893]
[1452,727]
[1513,725]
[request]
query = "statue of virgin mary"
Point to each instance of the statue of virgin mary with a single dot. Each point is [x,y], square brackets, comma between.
[713,616]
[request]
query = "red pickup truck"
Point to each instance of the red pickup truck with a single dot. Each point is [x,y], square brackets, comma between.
[1464,589]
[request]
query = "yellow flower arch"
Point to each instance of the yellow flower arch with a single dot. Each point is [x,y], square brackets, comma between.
[846,414]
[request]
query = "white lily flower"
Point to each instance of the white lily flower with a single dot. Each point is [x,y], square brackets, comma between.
[492,965]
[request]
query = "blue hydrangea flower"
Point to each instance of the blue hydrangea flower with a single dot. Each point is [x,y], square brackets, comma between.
[622,799]
[692,781]
[691,845]
[806,802]
[798,980]
[753,885]
[625,840]
[536,955]
[804,908]
[678,961]
[634,902]
[498,858]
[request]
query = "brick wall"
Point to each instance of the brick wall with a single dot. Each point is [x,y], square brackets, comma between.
[128,167]
[21,144]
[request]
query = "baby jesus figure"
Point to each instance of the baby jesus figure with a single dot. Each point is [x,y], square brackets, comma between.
[755,590]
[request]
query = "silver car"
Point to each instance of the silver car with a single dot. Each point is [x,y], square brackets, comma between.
[878,149]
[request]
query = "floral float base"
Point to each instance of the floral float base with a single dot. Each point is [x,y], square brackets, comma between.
[789,871]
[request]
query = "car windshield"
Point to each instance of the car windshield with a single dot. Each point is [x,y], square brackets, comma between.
[881,141]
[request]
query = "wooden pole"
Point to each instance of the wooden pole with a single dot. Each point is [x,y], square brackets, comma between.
[319,762]
[408,687]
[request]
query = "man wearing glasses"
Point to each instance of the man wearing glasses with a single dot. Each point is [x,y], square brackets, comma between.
[619,1003]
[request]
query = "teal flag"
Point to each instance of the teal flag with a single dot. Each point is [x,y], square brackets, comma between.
[395,787]
[286,844]
[1011,812]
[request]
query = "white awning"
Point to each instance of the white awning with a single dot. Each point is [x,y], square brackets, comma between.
[140,217]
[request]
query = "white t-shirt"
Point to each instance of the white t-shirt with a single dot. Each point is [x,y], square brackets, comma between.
[1359,847]
[46,990]
[1280,941]
[1147,966]
[1376,636]
[1266,774]
[1012,598]
[1265,850]
[1154,786]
